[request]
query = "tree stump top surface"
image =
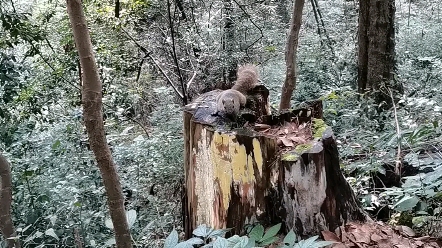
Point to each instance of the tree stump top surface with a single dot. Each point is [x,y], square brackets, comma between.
[203,108]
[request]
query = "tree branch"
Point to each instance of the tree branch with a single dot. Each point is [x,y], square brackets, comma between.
[148,54]
[254,24]
[175,57]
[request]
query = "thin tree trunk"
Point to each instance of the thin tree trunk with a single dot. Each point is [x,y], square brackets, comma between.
[316,19]
[92,104]
[290,56]
[229,71]
[117,8]
[363,46]
[6,225]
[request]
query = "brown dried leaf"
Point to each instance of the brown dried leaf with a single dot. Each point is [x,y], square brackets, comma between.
[376,237]
[259,127]
[387,231]
[279,142]
[406,231]
[423,238]
[303,125]
[330,236]
[296,139]
[286,142]
[402,246]
[280,132]
[339,245]
[361,237]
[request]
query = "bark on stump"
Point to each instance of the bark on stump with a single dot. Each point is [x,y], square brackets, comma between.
[238,176]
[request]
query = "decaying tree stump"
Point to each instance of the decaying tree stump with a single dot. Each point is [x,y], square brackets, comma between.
[266,168]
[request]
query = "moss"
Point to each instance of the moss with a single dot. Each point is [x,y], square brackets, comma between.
[319,128]
[294,155]
[300,149]
[290,156]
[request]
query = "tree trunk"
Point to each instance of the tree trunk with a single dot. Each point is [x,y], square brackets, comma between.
[363,46]
[376,48]
[6,225]
[92,104]
[290,55]
[240,176]
[117,8]
[228,43]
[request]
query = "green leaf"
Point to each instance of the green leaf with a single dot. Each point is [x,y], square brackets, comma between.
[171,240]
[381,170]
[56,145]
[257,232]
[406,203]
[243,241]
[183,245]
[108,223]
[269,241]
[195,241]
[238,242]
[131,216]
[218,233]
[251,243]
[28,173]
[290,238]
[271,232]
[43,198]
[319,244]
[51,232]
[420,221]
[234,239]
[202,231]
[220,243]
[308,242]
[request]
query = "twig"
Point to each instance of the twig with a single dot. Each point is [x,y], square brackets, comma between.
[140,66]
[317,20]
[141,125]
[165,75]
[315,6]
[50,65]
[148,54]
[398,167]
[191,80]
[254,24]
[175,57]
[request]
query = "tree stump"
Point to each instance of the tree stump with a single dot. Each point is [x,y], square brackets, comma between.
[264,168]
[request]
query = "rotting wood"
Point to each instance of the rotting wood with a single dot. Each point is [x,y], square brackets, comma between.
[237,176]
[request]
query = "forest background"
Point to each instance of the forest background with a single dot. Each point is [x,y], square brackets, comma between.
[147,51]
